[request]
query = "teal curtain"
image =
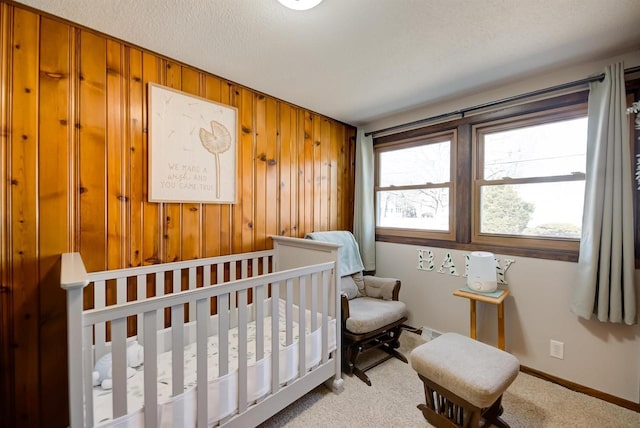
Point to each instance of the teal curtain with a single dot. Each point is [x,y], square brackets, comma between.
[605,285]
[364,218]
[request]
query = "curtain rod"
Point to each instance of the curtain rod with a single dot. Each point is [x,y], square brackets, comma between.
[463,111]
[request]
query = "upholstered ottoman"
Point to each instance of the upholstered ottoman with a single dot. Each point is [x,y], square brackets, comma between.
[463,381]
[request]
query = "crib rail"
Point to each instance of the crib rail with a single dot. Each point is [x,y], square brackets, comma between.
[244,290]
[168,278]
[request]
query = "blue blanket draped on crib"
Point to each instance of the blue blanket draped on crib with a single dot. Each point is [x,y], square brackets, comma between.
[348,253]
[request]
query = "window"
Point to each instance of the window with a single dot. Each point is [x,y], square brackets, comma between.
[414,187]
[513,181]
[514,184]
[529,176]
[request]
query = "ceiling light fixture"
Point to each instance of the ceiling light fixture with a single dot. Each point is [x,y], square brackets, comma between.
[300,4]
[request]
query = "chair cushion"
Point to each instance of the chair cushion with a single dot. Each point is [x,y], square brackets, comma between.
[381,288]
[472,370]
[367,314]
[348,287]
[358,279]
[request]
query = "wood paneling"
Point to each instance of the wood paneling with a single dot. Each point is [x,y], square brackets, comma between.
[152,219]
[7,399]
[92,150]
[211,217]
[191,220]
[246,173]
[306,165]
[135,152]
[23,211]
[74,178]
[54,198]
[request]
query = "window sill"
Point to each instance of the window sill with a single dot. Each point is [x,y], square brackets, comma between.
[548,254]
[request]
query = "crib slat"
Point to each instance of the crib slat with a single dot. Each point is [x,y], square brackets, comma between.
[219,273]
[159,283]
[244,269]
[325,315]
[202,314]
[121,293]
[192,286]
[177,349]
[119,366]
[233,304]
[254,273]
[232,270]
[255,269]
[88,375]
[242,350]
[275,340]
[302,338]
[223,325]
[150,370]
[100,328]
[258,304]
[223,334]
[177,282]
[289,309]
[160,292]
[141,286]
[121,290]
[314,302]
[265,265]
[206,276]
[176,286]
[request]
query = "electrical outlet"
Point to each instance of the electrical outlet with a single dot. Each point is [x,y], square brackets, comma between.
[556,349]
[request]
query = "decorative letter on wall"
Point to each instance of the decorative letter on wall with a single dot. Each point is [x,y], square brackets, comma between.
[448,263]
[192,148]
[425,262]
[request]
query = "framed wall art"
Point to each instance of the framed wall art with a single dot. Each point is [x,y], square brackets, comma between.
[192,148]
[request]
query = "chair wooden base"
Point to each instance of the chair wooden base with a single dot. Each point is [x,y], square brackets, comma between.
[445,409]
[355,345]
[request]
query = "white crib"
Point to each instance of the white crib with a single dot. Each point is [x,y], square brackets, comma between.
[212,322]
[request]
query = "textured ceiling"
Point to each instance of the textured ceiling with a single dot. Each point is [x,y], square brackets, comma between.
[361,60]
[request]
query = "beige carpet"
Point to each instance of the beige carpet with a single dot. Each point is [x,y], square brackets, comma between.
[396,390]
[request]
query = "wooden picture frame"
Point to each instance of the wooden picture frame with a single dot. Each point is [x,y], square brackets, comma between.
[192,148]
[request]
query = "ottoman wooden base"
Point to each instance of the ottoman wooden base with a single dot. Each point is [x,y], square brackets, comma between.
[445,409]
[463,381]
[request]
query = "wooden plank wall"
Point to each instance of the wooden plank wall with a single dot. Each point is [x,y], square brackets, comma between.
[74,173]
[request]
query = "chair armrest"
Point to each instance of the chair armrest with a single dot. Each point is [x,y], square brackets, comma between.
[382,288]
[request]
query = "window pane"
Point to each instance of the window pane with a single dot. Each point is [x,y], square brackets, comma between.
[557,148]
[424,209]
[429,163]
[537,209]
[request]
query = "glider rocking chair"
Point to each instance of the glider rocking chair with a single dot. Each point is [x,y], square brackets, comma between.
[372,315]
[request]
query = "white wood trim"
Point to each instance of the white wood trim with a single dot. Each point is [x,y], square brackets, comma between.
[73,273]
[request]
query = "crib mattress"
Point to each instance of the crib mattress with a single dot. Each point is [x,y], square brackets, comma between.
[258,374]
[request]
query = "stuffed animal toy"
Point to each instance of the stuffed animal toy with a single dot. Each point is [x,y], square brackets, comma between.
[103,371]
